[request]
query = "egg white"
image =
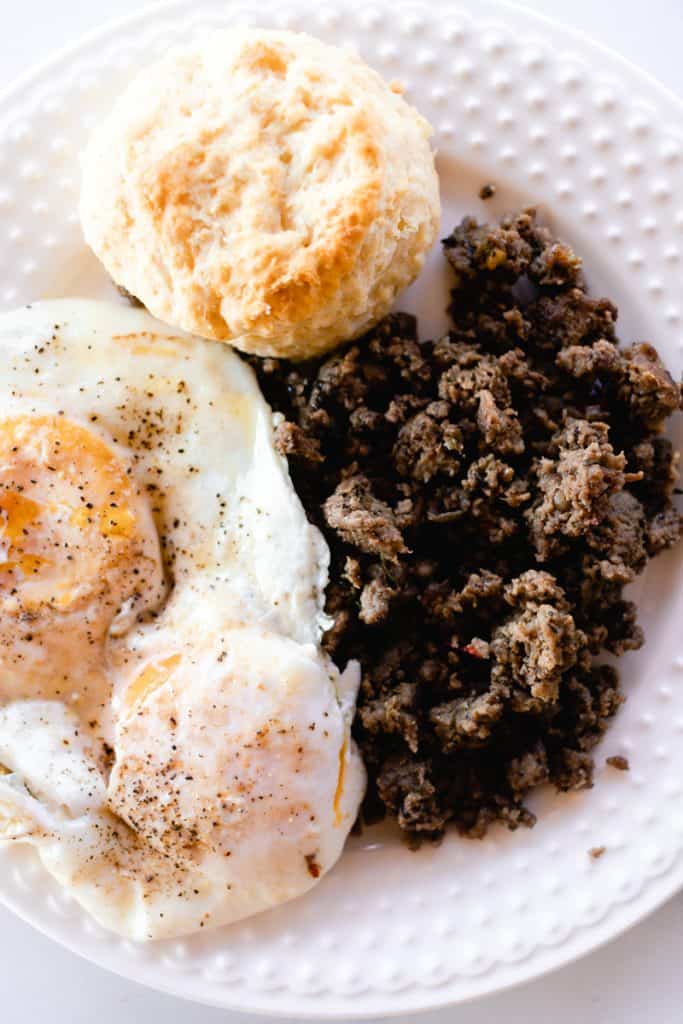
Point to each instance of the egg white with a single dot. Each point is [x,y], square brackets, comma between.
[174,742]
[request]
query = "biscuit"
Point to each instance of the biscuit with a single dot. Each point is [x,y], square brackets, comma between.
[262,188]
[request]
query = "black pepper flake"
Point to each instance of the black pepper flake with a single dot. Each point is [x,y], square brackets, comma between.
[312,865]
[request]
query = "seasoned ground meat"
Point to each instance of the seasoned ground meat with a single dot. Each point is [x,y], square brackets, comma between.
[486,497]
[362,520]
[291,440]
[574,486]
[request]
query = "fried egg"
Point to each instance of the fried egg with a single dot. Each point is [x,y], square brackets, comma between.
[173,741]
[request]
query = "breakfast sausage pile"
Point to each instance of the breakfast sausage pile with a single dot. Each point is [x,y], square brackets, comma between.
[486,498]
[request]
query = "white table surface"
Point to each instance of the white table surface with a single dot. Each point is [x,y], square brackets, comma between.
[635,978]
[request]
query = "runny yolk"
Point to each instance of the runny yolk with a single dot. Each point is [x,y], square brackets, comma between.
[27,565]
[150,679]
[70,534]
[111,520]
[18,513]
[340,784]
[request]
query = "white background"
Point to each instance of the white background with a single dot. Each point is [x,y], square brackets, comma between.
[635,978]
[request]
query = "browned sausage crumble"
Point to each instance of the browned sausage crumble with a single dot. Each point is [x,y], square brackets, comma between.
[486,497]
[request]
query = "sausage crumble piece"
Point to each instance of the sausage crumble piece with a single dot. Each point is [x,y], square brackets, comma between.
[486,497]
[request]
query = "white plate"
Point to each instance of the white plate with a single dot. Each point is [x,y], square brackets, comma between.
[553,120]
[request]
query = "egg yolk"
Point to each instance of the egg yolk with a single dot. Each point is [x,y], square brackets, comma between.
[149,679]
[79,553]
[74,532]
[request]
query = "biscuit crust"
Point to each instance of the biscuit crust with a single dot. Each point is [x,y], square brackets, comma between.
[262,188]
